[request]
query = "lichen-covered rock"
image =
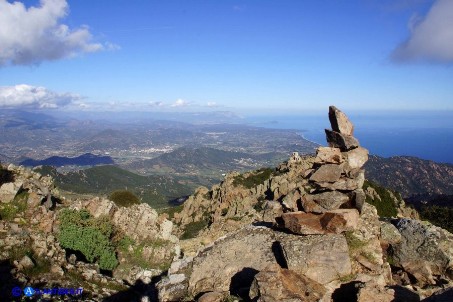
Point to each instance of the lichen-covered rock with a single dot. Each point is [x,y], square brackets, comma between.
[230,263]
[321,258]
[330,200]
[425,251]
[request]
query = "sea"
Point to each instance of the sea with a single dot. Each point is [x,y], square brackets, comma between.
[427,135]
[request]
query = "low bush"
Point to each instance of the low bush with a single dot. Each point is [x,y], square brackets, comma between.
[91,236]
[253,179]
[386,207]
[124,198]
[192,229]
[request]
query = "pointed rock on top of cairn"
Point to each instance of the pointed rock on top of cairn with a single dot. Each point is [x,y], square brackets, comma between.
[340,122]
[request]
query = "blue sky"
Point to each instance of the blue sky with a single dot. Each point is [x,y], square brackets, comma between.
[246,56]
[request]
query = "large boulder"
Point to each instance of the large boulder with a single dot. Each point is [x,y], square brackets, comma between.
[340,122]
[231,263]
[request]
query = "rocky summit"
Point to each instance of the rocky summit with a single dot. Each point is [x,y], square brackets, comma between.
[312,229]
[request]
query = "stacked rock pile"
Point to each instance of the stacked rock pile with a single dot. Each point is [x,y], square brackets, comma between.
[336,197]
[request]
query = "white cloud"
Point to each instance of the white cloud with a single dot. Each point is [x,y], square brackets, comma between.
[212,104]
[431,38]
[26,96]
[35,34]
[180,103]
[156,104]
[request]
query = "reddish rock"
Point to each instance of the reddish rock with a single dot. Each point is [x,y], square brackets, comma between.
[275,284]
[303,223]
[336,221]
[309,206]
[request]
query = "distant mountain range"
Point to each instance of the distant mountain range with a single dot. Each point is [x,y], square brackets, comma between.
[86,159]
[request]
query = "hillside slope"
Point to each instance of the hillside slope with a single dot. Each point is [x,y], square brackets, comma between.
[206,161]
[157,191]
[410,175]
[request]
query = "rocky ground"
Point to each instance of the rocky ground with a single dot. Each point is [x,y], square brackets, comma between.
[311,229]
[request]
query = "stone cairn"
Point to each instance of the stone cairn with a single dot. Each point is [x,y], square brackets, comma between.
[335,197]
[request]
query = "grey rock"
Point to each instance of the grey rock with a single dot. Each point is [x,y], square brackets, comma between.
[320,258]
[359,199]
[331,200]
[425,250]
[356,158]
[389,233]
[344,183]
[342,141]
[327,173]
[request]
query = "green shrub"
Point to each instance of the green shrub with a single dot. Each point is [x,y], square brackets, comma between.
[192,229]
[386,207]
[9,211]
[91,236]
[253,179]
[124,198]
[124,243]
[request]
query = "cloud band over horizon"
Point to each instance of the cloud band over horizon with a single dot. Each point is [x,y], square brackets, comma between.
[32,97]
